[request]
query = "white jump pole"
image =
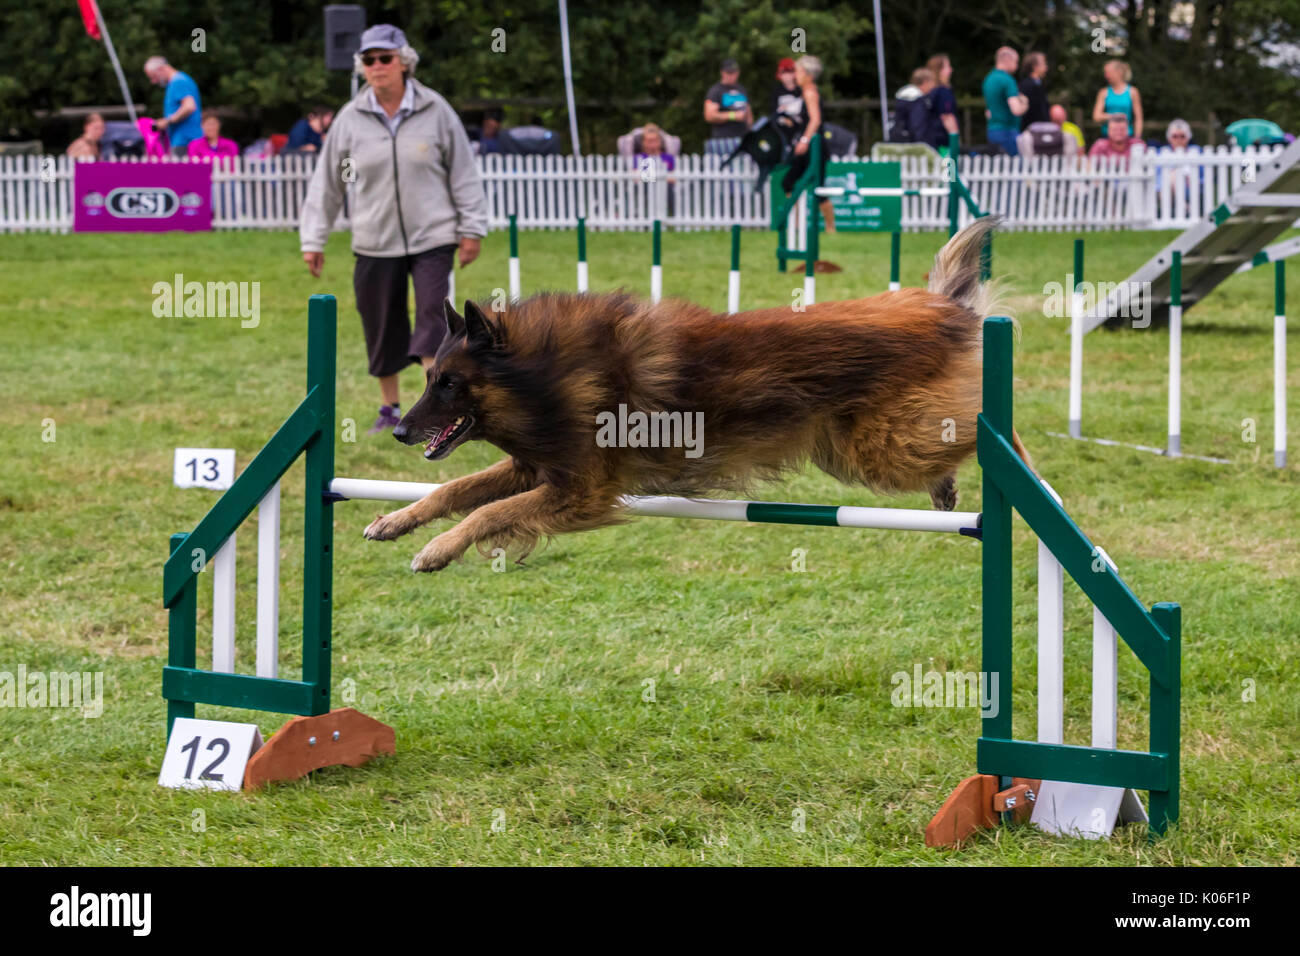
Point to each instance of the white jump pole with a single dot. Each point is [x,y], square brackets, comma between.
[1174,446]
[843,516]
[733,277]
[1051,643]
[1279,364]
[451,284]
[514,258]
[223,608]
[1076,344]
[268,583]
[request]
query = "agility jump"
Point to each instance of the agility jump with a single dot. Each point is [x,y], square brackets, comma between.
[1071,783]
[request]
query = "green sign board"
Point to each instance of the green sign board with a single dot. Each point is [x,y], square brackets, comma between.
[854,213]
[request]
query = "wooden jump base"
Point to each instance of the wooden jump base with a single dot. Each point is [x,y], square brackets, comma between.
[1060,787]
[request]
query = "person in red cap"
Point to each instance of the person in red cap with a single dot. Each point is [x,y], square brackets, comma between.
[785,95]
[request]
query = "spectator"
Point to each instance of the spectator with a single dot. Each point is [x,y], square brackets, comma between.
[807,124]
[181,104]
[1033,90]
[1178,139]
[306,135]
[1003,101]
[1117,141]
[915,120]
[1119,96]
[210,145]
[727,110]
[945,103]
[86,146]
[785,95]
[652,145]
[1058,115]
[410,207]
[489,141]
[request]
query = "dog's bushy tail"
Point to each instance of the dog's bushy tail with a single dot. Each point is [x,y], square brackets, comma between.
[956,271]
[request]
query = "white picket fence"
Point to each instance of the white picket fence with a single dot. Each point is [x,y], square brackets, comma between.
[1155,191]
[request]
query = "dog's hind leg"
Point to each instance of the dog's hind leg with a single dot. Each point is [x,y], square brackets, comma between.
[943,493]
[543,511]
[458,496]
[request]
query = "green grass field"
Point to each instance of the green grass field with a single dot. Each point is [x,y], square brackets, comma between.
[517,697]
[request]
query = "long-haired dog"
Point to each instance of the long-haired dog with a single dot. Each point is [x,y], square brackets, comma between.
[881,391]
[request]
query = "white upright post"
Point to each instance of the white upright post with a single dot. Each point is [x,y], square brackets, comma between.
[1279,365]
[582,276]
[1174,447]
[223,608]
[1076,344]
[733,291]
[514,278]
[1105,675]
[268,583]
[656,283]
[451,285]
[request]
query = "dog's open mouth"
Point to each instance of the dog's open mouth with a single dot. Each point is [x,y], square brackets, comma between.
[441,444]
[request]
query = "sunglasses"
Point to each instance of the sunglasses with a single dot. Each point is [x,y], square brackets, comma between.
[385,58]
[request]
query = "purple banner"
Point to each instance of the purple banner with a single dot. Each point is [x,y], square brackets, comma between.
[142,197]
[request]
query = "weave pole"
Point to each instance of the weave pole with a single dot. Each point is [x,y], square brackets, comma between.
[1279,364]
[1076,343]
[733,278]
[1174,446]
[656,267]
[582,254]
[514,258]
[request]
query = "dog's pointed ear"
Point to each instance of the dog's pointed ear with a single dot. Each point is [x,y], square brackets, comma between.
[455,323]
[482,329]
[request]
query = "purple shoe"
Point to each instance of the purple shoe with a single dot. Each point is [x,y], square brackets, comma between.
[389,415]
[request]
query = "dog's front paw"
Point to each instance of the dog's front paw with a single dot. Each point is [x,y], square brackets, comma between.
[437,554]
[390,526]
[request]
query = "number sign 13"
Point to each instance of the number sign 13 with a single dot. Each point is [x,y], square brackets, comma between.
[204,468]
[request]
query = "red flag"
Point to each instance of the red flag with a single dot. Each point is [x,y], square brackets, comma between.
[89,18]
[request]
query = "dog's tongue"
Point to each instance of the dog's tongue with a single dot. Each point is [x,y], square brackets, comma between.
[441,437]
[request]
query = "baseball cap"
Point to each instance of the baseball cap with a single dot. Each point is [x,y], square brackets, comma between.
[784,65]
[382,36]
[730,66]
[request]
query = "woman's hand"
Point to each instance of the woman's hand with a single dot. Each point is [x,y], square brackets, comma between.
[801,147]
[315,262]
[469,250]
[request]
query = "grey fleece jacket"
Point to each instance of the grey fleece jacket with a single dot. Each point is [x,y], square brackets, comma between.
[414,191]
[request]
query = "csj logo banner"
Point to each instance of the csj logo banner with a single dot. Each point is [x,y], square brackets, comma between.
[142,197]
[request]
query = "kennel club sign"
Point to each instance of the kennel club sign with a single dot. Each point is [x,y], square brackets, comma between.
[142,197]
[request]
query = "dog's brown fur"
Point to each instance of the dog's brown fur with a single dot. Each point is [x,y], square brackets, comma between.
[881,391]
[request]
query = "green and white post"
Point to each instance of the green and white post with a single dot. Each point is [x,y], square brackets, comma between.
[1076,343]
[733,278]
[1174,446]
[1279,364]
[582,254]
[514,258]
[895,250]
[656,269]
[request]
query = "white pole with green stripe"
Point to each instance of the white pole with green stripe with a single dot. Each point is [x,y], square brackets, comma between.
[769,512]
[514,258]
[582,254]
[656,270]
[733,278]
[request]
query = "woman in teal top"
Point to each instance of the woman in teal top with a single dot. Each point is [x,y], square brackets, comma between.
[1119,96]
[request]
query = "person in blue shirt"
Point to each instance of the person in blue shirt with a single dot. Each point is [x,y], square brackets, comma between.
[181,104]
[306,135]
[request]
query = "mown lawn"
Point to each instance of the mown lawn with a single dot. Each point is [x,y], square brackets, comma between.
[520,697]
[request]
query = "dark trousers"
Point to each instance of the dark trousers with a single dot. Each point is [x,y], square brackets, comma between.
[380,287]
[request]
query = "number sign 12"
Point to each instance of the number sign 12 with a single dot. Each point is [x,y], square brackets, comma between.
[204,468]
[208,754]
